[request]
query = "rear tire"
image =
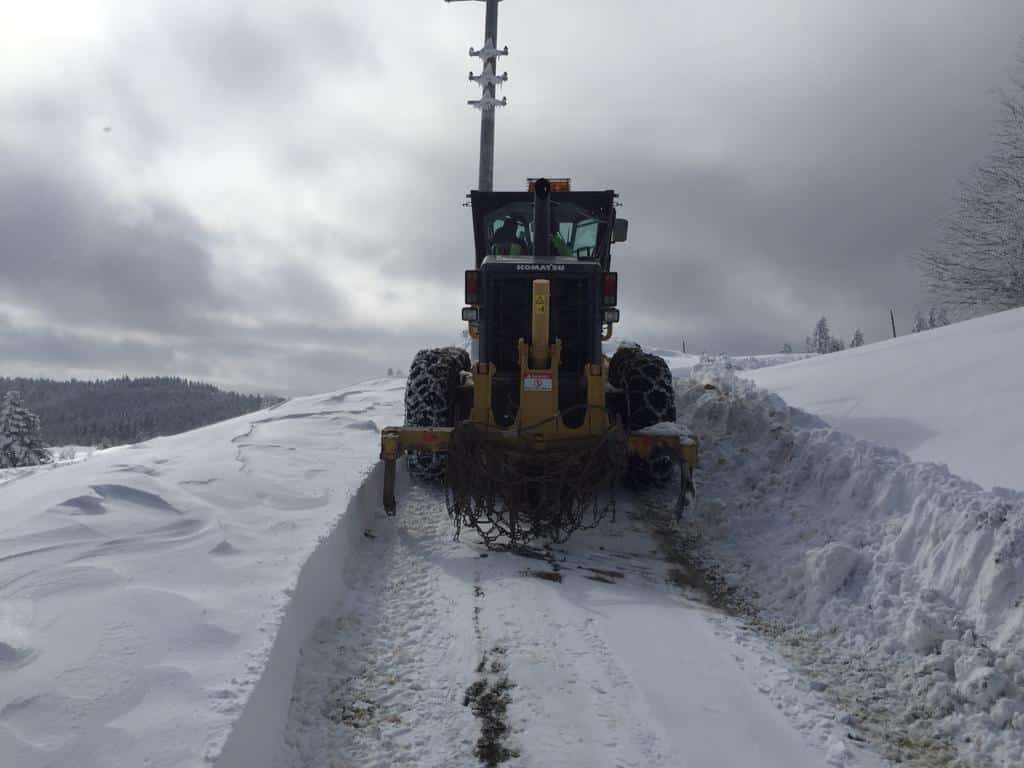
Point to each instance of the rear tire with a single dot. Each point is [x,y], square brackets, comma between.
[431,394]
[650,399]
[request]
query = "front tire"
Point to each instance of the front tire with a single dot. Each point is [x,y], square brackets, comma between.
[431,396]
[650,399]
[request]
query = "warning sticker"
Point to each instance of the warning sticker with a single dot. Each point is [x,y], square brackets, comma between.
[538,382]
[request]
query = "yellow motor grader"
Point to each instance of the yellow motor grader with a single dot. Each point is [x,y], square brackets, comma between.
[528,434]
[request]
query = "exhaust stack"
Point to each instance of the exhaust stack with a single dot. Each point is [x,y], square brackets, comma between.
[542,219]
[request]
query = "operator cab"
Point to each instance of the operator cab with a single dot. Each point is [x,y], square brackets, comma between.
[575,257]
[509,231]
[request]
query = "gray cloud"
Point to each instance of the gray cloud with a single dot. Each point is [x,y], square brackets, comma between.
[66,252]
[272,172]
[240,53]
[139,292]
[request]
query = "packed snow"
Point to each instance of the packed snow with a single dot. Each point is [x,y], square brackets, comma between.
[950,395]
[602,659]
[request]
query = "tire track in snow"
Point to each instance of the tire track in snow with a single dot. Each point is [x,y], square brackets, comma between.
[383,680]
[372,688]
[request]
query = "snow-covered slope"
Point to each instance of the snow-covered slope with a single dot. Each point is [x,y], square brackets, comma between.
[953,395]
[148,592]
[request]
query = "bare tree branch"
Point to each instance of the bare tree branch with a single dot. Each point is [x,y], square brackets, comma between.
[978,264]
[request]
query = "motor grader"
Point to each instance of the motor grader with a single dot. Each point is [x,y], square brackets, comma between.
[531,436]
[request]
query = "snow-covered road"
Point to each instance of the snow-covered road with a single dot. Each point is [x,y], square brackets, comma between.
[599,654]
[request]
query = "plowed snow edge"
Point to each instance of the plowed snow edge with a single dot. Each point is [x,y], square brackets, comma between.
[258,732]
[901,583]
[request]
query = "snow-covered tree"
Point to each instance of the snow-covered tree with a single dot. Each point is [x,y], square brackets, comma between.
[836,345]
[920,323]
[978,265]
[787,349]
[821,340]
[937,318]
[20,444]
[857,340]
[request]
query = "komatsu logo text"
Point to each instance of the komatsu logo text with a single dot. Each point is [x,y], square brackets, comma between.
[540,267]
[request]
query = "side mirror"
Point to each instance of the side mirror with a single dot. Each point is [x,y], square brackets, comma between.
[620,230]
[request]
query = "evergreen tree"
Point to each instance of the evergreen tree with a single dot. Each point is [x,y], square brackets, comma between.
[836,345]
[787,349]
[857,340]
[920,323]
[125,410]
[20,444]
[937,319]
[822,338]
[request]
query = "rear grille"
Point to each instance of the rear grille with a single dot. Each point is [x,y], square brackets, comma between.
[511,320]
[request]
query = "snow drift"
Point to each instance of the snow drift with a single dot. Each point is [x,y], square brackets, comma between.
[901,566]
[151,594]
[951,395]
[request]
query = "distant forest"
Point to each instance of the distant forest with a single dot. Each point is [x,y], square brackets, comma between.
[125,410]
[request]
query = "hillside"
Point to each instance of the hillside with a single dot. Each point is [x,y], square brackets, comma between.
[125,410]
[951,395]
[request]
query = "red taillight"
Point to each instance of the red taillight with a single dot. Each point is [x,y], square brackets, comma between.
[472,286]
[610,289]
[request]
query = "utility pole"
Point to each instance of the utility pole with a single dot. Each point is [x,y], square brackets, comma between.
[489,80]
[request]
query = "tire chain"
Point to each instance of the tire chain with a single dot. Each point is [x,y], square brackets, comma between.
[650,400]
[430,400]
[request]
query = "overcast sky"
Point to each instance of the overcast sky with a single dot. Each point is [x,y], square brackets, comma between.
[268,195]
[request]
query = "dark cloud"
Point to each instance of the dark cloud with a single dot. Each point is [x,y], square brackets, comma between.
[138,291]
[39,349]
[67,253]
[777,162]
[244,51]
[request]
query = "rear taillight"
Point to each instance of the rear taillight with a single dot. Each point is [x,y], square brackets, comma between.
[472,286]
[610,289]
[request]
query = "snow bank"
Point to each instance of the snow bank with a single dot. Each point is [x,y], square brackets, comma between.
[682,364]
[950,395]
[153,594]
[895,565]
[320,585]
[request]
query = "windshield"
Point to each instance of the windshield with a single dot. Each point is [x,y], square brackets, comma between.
[574,231]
